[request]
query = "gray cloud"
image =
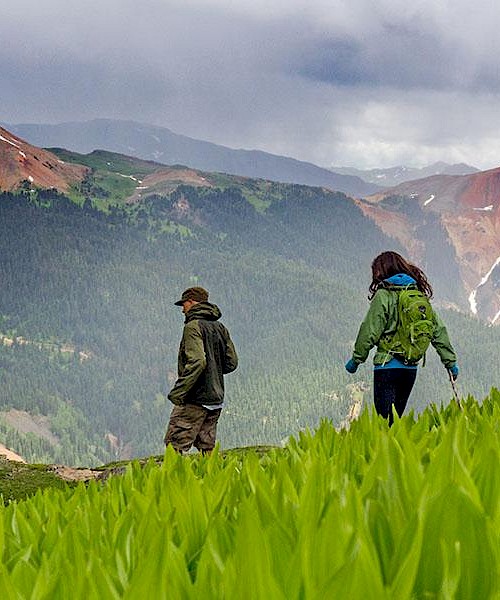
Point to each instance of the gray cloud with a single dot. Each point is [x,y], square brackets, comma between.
[404,60]
[368,84]
[400,56]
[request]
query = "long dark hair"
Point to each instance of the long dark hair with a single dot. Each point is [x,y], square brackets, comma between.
[391,263]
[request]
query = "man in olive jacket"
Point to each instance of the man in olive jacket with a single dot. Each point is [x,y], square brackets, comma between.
[206,354]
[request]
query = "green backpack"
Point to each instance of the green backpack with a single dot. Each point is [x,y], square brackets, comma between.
[415,328]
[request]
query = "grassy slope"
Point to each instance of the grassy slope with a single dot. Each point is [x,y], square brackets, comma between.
[108,161]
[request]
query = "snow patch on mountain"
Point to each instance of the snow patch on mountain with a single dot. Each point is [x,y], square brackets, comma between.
[130,177]
[486,208]
[3,139]
[495,318]
[473,294]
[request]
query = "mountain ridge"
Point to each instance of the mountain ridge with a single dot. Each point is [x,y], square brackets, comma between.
[462,221]
[163,145]
[392,176]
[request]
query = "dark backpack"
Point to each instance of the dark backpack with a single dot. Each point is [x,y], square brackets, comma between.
[415,328]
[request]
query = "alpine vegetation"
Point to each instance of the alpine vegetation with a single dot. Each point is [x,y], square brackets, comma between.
[410,511]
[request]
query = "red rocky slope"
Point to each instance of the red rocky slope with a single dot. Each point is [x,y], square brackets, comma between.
[21,162]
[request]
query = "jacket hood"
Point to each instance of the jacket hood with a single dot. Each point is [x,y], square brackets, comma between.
[204,310]
[401,279]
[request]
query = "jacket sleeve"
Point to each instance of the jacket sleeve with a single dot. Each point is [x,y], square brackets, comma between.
[195,363]
[372,327]
[442,344]
[231,358]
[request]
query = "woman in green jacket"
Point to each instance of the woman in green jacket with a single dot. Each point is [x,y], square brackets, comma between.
[394,374]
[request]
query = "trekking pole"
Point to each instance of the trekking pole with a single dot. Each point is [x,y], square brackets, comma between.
[454,387]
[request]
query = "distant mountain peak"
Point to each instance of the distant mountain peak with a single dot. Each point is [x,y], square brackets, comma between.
[388,177]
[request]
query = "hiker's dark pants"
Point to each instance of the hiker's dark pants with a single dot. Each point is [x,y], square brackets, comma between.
[192,425]
[392,387]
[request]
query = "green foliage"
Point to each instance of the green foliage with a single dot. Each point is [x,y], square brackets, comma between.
[406,512]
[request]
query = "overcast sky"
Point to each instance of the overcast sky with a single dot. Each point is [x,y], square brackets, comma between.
[366,83]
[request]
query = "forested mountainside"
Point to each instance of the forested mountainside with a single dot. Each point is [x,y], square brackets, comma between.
[445,223]
[90,333]
[103,284]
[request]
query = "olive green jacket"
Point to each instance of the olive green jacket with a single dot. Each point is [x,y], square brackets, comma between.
[206,354]
[381,320]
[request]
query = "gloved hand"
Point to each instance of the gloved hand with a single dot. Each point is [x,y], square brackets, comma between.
[454,370]
[351,366]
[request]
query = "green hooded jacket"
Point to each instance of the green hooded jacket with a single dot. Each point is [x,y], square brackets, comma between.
[381,320]
[206,354]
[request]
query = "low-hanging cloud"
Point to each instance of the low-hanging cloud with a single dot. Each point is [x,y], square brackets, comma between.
[401,56]
[360,83]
